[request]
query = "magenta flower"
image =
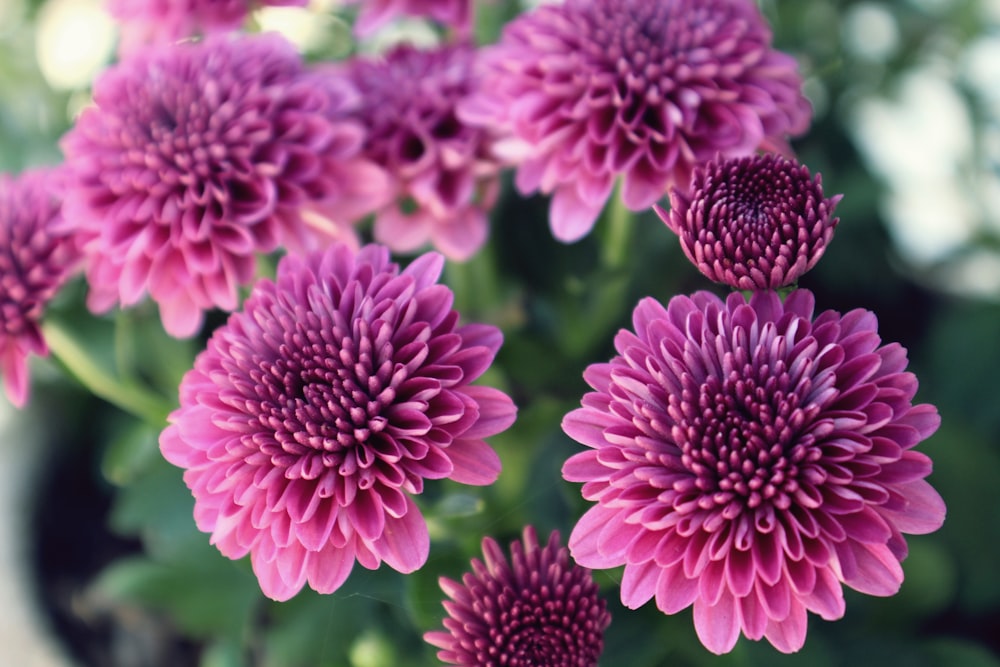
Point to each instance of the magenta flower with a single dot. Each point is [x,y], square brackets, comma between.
[158,21]
[443,176]
[316,412]
[748,460]
[37,255]
[645,89]
[195,158]
[537,609]
[756,222]
[376,13]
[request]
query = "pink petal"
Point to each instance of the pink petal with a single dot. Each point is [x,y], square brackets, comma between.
[474,461]
[461,237]
[570,217]
[404,544]
[639,583]
[876,570]
[496,411]
[583,541]
[924,510]
[327,570]
[674,591]
[587,427]
[789,635]
[718,625]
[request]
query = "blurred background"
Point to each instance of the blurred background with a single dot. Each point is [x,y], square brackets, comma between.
[101,562]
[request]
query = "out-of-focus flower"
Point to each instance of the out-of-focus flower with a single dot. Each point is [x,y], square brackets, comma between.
[442,170]
[591,90]
[37,255]
[756,222]
[539,608]
[158,21]
[376,13]
[317,411]
[198,156]
[748,460]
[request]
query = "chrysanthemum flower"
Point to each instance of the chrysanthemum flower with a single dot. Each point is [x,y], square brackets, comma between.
[591,90]
[37,255]
[539,608]
[442,170]
[158,21]
[316,412]
[195,158]
[376,13]
[756,222]
[748,460]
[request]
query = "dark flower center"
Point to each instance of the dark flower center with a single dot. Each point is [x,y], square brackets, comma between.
[325,401]
[744,436]
[542,627]
[29,271]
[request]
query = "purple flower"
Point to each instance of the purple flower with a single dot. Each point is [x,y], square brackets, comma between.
[158,21]
[443,176]
[376,13]
[317,411]
[538,609]
[37,255]
[748,459]
[195,158]
[756,222]
[645,89]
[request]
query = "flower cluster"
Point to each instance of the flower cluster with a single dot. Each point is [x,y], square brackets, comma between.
[38,254]
[444,178]
[746,456]
[596,89]
[319,409]
[539,608]
[194,159]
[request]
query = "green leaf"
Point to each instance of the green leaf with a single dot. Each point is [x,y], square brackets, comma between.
[210,598]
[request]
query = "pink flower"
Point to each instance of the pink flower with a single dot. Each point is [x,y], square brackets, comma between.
[37,255]
[317,411]
[158,21]
[376,13]
[442,173]
[756,222]
[748,459]
[591,90]
[195,158]
[539,608]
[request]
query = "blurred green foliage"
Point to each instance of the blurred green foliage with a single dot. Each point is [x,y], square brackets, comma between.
[559,307]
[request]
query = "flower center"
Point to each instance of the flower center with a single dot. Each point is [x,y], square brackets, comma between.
[743,437]
[327,402]
[27,278]
[536,633]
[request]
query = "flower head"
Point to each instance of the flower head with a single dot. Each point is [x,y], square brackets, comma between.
[756,222]
[539,608]
[748,459]
[37,255]
[642,89]
[376,13]
[158,21]
[316,412]
[441,169]
[195,158]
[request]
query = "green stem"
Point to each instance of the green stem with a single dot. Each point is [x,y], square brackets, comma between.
[620,225]
[128,396]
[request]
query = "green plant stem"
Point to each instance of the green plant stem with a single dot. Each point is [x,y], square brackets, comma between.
[619,227]
[128,396]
